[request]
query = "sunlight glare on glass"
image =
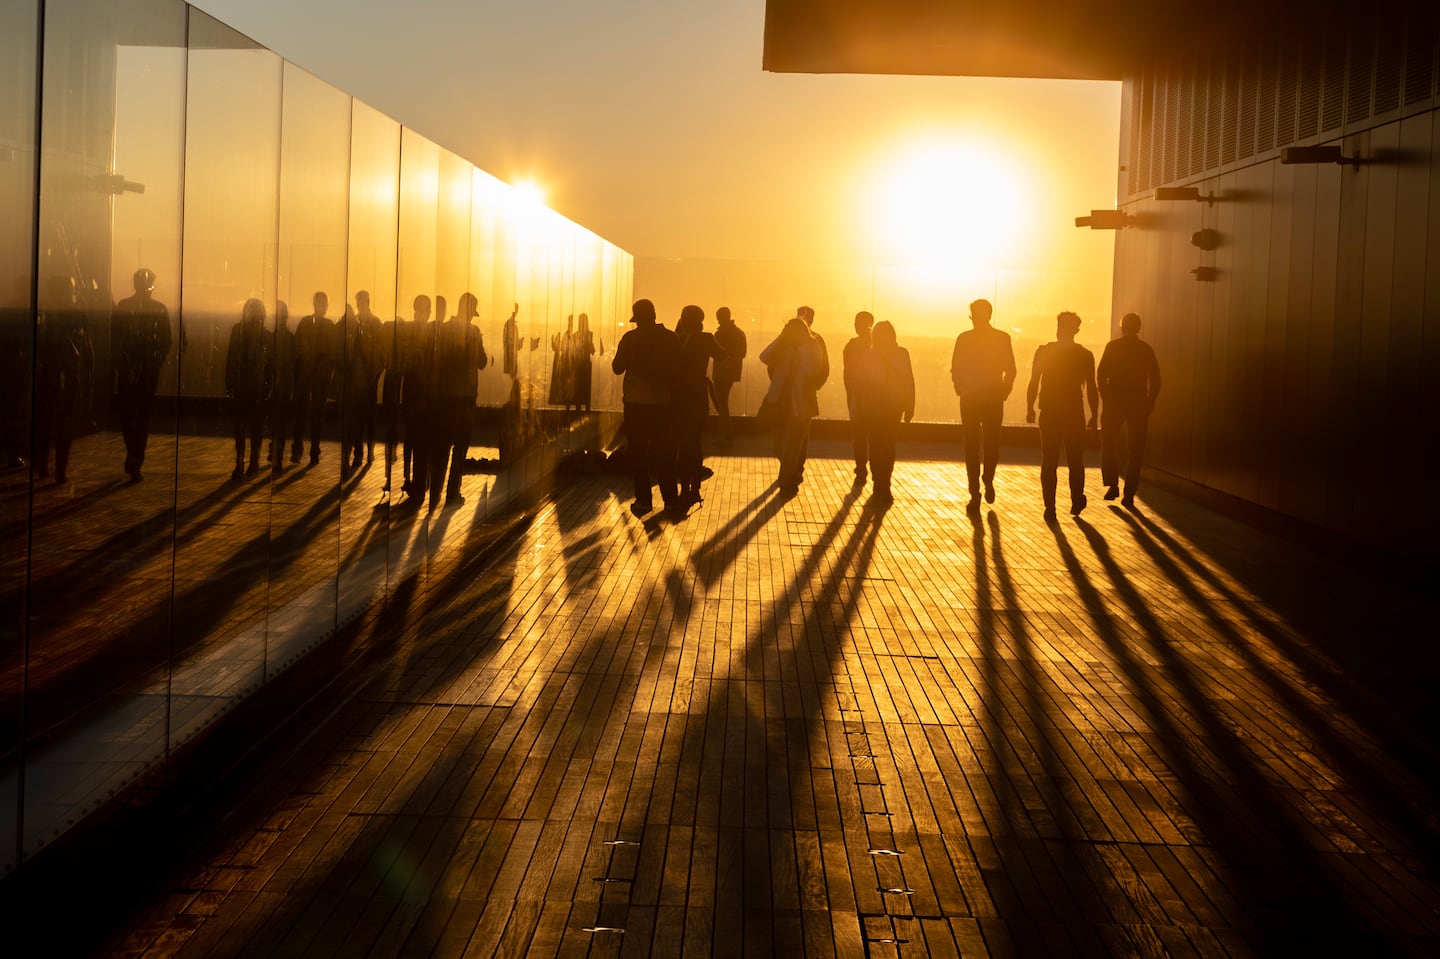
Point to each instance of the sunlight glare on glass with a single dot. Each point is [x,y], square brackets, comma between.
[947,203]
[527,199]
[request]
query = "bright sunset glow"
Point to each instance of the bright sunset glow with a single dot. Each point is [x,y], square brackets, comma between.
[948,203]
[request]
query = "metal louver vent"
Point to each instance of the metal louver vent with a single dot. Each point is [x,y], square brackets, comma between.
[1420,57]
[1389,67]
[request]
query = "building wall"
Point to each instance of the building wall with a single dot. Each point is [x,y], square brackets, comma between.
[137,610]
[1295,378]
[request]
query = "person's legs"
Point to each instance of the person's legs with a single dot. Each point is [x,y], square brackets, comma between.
[638,431]
[1112,444]
[970,435]
[1050,445]
[883,433]
[991,413]
[1075,461]
[1137,434]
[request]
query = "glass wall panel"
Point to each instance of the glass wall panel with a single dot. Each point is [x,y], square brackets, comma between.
[373,425]
[19,34]
[102,512]
[227,346]
[328,383]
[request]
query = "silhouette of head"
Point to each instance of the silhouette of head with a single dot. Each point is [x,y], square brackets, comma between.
[282,314]
[692,318]
[884,335]
[643,312]
[722,315]
[807,314]
[144,280]
[253,312]
[864,320]
[1067,324]
[584,322]
[980,312]
[469,306]
[439,308]
[362,301]
[321,302]
[421,306]
[1130,324]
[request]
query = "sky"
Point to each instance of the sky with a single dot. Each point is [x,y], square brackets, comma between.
[651,123]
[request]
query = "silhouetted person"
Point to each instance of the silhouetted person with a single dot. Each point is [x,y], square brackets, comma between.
[140,341]
[582,348]
[853,361]
[315,351]
[562,365]
[372,342]
[646,356]
[64,365]
[353,382]
[885,382]
[1129,380]
[417,393]
[692,400]
[1060,373]
[510,344]
[247,384]
[728,367]
[798,365]
[283,425]
[982,368]
[459,356]
[388,352]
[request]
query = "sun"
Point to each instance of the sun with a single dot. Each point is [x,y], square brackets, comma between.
[948,203]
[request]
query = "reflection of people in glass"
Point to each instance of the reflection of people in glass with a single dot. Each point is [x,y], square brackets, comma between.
[510,340]
[314,368]
[1060,372]
[886,385]
[140,341]
[372,342]
[562,365]
[353,380]
[1129,381]
[247,384]
[646,357]
[982,369]
[16,326]
[389,357]
[283,427]
[853,360]
[726,371]
[692,400]
[459,356]
[582,348]
[64,365]
[417,372]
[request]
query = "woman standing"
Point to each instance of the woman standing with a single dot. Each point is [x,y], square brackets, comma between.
[887,398]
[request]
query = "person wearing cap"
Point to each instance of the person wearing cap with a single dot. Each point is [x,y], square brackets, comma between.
[1129,381]
[647,357]
[141,332]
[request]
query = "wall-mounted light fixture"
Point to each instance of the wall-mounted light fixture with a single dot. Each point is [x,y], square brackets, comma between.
[1321,154]
[1206,239]
[1183,193]
[1104,220]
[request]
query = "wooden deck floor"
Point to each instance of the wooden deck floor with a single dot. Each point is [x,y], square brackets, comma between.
[819,726]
